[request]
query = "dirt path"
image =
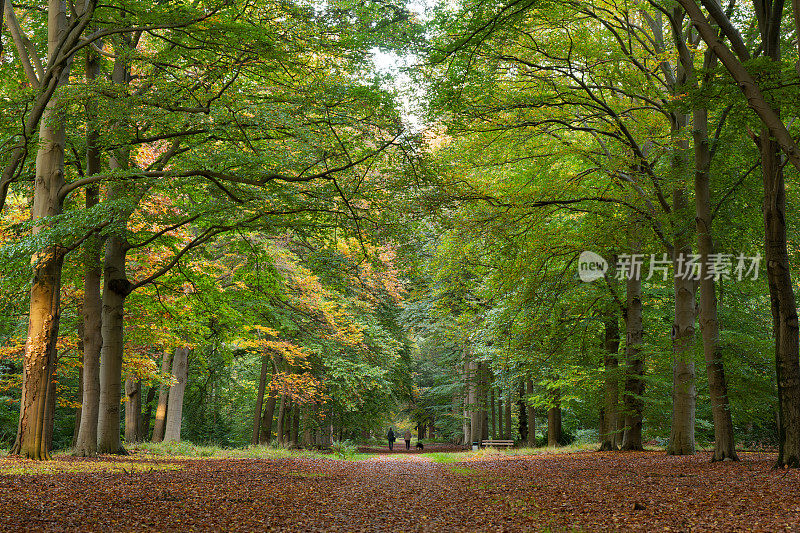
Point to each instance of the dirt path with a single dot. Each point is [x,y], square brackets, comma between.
[408,492]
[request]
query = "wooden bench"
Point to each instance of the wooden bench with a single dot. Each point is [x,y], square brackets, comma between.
[496,443]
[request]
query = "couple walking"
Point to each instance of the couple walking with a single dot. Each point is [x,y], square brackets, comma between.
[392,436]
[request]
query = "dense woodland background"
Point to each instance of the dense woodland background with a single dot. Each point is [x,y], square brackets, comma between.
[226,222]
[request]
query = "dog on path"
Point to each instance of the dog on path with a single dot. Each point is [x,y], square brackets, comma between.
[420,446]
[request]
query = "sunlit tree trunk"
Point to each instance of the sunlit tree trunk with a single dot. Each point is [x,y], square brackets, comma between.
[45,301]
[163,395]
[180,370]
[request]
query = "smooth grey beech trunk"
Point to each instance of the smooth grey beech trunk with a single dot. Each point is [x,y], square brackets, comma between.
[180,371]
[133,408]
[773,135]
[116,288]
[634,365]
[608,430]
[684,393]
[257,412]
[265,436]
[279,429]
[531,415]
[724,443]
[554,420]
[163,394]
[86,444]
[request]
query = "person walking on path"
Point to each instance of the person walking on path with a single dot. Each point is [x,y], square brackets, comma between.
[407,437]
[391,438]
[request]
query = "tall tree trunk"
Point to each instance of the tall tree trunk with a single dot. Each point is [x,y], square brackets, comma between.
[531,415]
[45,301]
[684,393]
[493,429]
[782,299]
[295,428]
[507,425]
[634,369]
[781,289]
[287,423]
[523,414]
[92,337]
[163,394]
[77,427]
[724,444]
[431,428]
[479,415]
[500,431]
[554,420]
[144,427]
[180,370]
[133,407]
[50,413]
[279,430]
[116,288]
[266,420]
[611,386]
[469,398]
[262,383]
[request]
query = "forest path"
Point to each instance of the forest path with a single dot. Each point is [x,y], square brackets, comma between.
[594,491]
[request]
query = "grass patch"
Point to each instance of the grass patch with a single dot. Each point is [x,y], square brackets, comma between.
[352,457]
[31,468]
[447,457]
[191,451]
[187,450]
[463,470]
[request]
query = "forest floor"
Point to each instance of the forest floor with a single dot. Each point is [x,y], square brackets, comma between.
[404,492]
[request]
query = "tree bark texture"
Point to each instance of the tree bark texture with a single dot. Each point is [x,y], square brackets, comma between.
[611,383]
[163,395]
[180,370]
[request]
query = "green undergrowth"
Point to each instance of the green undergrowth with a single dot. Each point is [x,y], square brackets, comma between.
[489,452]
[463,470]
[195,451]
[31,468]
[188,450]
